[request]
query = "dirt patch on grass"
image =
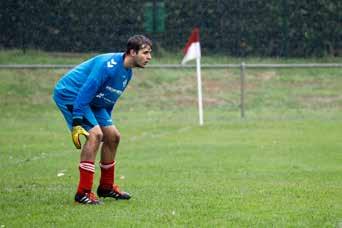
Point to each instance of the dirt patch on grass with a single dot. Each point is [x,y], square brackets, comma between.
[266,75]
[192,101]
[321,99]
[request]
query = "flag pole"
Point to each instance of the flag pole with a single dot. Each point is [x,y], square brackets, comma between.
[199,90]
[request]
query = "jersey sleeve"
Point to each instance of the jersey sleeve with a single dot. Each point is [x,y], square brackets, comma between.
[109,110]
[87,92]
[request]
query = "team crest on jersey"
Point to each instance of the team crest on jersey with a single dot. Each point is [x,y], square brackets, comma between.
[111,63]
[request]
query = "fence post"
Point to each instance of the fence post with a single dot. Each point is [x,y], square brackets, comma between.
[242,89]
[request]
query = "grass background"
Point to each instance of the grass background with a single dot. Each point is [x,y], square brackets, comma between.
[280,166]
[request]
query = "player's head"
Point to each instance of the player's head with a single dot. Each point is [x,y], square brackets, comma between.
[139,49]
[138,42]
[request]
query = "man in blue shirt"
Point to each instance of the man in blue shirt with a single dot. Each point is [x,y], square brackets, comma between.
[86,96]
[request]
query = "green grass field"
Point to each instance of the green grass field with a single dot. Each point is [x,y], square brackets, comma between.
[281,166]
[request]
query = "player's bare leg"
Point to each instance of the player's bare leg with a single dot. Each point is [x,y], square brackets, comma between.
[107,188]
[87,167]
[92,144]
[111,140]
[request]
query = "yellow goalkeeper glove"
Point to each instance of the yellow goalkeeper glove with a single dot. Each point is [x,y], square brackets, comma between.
[78,130]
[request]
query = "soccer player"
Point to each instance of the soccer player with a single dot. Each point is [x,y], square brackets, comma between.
[86,96]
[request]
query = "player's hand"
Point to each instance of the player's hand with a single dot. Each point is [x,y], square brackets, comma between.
[76,132]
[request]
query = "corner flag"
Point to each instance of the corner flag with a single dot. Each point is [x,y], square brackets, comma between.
[192,50]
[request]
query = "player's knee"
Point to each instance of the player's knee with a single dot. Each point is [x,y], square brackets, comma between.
[112,137]
[96,135]
[99,136]
[117,137]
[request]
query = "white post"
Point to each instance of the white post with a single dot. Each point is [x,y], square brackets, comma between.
[199,90]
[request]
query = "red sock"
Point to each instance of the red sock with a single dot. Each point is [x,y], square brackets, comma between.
[87,170]
[107,174]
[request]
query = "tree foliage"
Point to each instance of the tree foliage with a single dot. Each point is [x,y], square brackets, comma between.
[237,28]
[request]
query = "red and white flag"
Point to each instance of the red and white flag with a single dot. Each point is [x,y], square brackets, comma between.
[192,49]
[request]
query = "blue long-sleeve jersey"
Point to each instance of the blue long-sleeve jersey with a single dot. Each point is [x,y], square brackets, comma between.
[97,82]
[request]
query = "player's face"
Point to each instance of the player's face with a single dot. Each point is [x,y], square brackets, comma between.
[143,57]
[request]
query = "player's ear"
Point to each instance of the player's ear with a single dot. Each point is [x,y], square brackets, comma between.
[132,52]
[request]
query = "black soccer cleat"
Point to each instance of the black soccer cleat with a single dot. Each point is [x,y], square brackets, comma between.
[87,198]
[113,192]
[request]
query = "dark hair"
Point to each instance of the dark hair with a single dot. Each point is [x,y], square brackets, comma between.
[137,42]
